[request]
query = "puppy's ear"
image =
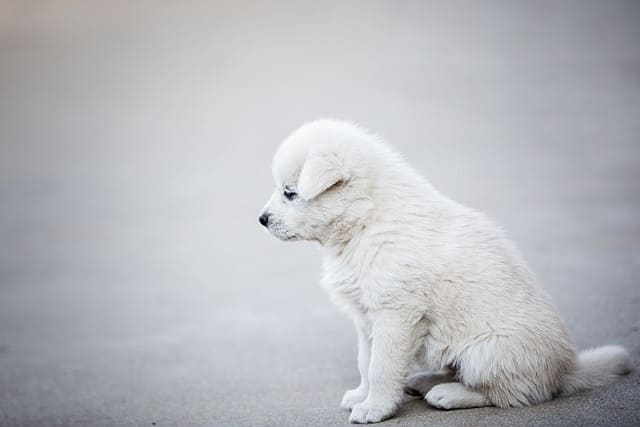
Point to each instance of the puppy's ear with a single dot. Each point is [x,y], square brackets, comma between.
[320,172]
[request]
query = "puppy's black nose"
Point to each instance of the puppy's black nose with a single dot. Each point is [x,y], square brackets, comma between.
[264,219]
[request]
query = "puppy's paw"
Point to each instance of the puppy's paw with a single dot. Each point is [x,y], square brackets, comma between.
[367,412]
[440,397]
[353,397]
[456,396]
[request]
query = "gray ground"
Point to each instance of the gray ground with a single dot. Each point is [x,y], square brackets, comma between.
[136,286]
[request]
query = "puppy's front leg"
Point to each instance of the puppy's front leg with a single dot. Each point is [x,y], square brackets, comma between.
[393,346]
[357,395]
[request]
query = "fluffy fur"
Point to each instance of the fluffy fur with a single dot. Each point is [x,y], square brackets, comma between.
[425,280]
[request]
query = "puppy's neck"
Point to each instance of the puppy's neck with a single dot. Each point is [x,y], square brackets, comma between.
[339,239]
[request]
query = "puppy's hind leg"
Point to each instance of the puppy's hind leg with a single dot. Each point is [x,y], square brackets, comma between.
[456,396]
[419,384]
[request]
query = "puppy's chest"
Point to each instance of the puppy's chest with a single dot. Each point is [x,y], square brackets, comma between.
[350,283]
[342,284]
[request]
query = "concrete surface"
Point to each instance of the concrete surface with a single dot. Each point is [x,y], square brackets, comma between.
[136,286]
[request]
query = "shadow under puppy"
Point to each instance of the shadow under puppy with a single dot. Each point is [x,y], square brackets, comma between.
[425,279]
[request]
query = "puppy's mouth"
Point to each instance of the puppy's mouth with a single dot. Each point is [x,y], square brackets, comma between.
[286,237]
[282,235]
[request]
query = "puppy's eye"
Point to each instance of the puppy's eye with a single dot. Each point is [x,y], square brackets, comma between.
[289,193]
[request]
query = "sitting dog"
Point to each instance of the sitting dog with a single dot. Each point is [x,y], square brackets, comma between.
[425,280]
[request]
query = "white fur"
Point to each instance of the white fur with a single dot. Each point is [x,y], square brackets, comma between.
[424,279]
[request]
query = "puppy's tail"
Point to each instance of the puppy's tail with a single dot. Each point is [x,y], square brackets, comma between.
[596,367]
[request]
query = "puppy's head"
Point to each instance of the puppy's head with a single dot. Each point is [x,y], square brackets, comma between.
[320,192]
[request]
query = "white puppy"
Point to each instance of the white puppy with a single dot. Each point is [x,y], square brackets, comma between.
[424,279]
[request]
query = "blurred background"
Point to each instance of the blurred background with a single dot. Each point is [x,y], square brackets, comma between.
[136,285]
